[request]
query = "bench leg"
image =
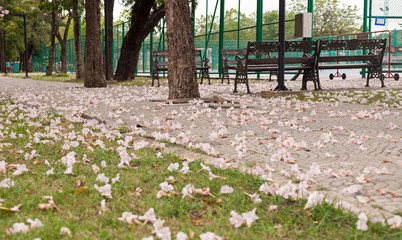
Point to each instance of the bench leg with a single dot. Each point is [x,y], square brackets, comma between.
[381,77]
[225,75]
[317,78]
[368,78]
[155,75]
[375,73]
[248,88]
[241,78]
[304,81]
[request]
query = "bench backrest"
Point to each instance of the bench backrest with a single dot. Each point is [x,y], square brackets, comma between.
[355,48]
[260,52]
[229,56]
[160,58]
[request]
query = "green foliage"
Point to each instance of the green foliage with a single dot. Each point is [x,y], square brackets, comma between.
[330,17]
[37,29]
[269,31]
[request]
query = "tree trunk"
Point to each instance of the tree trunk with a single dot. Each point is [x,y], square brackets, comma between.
[63,56]
[142,24]
[2,63]
[63,44]
[22,62]
[49,67]
[79,65]
[110,4]
[182,74]
[30,55]
[94,74]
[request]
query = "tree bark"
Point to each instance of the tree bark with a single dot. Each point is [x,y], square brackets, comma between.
[142,24]
[110,4]
[63,43]
[49,67]
[30,55]
[79,65]
[2,63]
[94,74]
[182,74]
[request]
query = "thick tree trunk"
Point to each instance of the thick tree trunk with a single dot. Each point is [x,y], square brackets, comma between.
[142,24]
[63,56]
[94,74]
[79,65]
[49,67]
[182,74]
[110,4]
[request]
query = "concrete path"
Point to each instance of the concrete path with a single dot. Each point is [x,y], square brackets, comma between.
[357,148]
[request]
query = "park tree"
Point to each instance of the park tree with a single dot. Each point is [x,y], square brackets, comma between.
[66,20]
[145,16]
[37,30]
[94,72]
[59,15]
[330,17]
[271,31]
[109,23]
[182,74]
[79,65]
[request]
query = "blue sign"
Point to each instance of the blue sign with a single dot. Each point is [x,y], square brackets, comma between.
[380,21]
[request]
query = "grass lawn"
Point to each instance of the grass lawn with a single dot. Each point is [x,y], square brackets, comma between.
[387,98]
[40,140]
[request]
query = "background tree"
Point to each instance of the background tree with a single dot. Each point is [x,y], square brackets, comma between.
[182,74]
[110,5]
[94,72]
[330,17]
[66,20]
[271,32]
[79,65]
[144,17]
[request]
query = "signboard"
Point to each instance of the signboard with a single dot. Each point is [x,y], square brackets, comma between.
[303,23]
[380,21]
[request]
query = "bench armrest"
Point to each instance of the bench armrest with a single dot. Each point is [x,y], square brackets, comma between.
[206,62]
[238,57]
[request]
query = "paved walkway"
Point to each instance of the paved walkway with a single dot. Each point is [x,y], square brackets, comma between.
[350,139]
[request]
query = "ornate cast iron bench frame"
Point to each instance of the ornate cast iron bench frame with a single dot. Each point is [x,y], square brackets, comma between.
[373,60]
[258,59]
[160,63]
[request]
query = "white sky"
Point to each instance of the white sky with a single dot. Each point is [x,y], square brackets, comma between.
[249,6]
[246,6]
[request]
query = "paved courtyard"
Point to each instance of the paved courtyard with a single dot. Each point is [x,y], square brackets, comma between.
[353,151]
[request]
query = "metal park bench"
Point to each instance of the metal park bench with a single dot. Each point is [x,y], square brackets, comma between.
[229,62]
[258,59]
[160,63]
[372,58]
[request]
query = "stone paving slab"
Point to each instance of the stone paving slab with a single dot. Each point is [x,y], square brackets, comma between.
[351,139]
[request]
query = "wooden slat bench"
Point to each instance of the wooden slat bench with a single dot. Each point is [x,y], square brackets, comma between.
[258,59]
[229,62]
[160,63]
[372,59]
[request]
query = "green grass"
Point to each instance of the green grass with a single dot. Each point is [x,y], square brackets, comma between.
[70,77]
[388,98]
[199,214]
